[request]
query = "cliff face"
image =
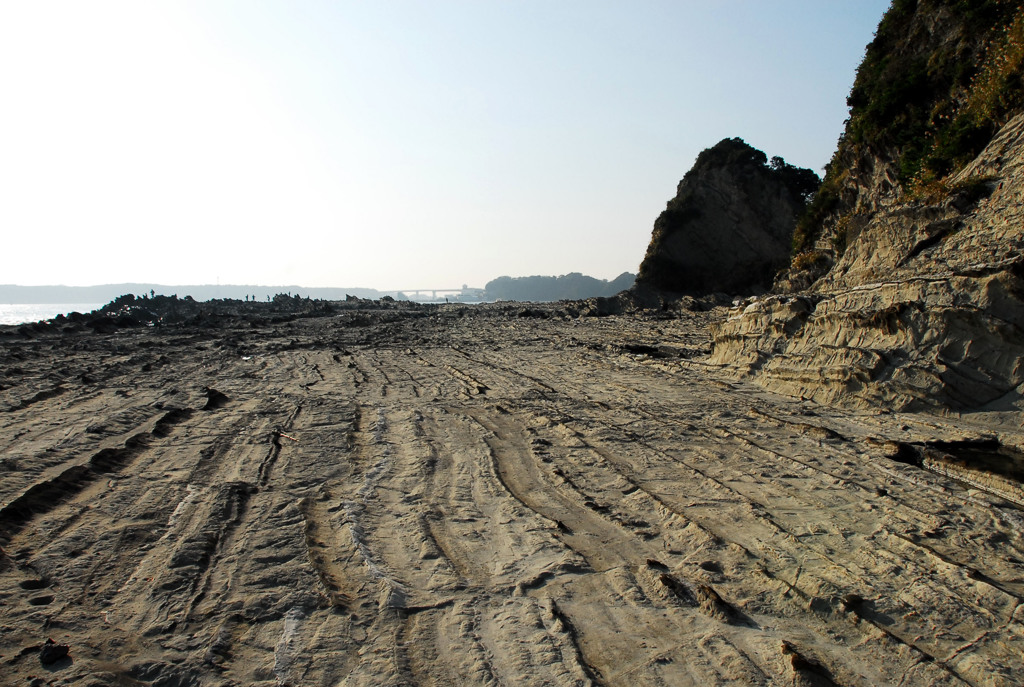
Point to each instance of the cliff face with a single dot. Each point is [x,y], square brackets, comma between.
[729,227]
[909,291]
[938,81]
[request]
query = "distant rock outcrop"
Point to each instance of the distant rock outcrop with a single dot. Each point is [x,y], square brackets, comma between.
[909,290]
[730,225]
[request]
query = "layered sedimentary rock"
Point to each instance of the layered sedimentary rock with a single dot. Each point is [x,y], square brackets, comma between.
[730,225]
[910,289]
[925,308]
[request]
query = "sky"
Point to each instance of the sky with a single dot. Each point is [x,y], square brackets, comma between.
[391,144]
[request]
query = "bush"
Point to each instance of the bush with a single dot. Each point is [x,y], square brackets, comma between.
[809,260]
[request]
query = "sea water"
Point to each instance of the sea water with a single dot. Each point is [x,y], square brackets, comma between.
[21,313]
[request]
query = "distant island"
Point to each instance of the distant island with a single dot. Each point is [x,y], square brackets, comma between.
[573,286]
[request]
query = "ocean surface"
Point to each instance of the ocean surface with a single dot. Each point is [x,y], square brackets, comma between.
[20,313]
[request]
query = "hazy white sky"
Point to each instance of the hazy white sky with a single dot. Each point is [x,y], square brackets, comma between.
[393,145]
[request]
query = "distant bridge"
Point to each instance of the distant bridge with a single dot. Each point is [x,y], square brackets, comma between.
[421,293]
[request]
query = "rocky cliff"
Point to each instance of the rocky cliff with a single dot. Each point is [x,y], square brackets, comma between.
[908,290]
[938,81]
[729,227]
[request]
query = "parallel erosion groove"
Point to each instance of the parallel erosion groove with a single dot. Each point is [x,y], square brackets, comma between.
[473,497]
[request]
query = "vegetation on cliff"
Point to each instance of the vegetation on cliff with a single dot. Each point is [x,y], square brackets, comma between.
[936,83]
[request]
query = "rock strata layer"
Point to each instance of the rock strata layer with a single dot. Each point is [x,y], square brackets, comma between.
[924,309]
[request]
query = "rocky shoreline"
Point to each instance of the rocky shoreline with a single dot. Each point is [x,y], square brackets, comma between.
[815,483]
[387,493]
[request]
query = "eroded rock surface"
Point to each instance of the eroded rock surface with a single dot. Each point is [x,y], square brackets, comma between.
[482,496]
